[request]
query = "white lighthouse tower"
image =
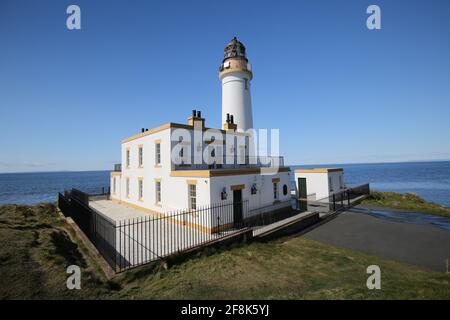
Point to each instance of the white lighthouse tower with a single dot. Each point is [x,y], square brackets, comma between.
[236,74]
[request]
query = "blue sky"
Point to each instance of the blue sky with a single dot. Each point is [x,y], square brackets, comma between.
[339,93]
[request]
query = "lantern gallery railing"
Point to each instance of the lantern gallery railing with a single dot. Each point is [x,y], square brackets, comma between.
[232,163]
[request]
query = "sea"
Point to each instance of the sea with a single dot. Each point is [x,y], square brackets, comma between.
[430,180]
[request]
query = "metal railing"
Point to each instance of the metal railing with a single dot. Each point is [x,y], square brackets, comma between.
[335,201]
[232,162]
[130,243]
[145,239]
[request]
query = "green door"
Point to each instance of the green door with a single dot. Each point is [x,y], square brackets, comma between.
[302,188]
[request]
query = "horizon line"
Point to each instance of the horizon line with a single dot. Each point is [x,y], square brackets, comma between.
[290,165]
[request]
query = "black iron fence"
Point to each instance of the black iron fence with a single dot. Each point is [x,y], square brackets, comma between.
[343,199]
[99,229]
[148,238]
[335,201]
[133,242]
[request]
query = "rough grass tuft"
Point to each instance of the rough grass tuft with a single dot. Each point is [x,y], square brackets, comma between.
[34,258]
[406,201]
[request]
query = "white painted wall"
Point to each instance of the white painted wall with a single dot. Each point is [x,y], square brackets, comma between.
[115,193]
[318,183]
[264,196]
[337,184]
[236,99]
[175,190]
[149,172]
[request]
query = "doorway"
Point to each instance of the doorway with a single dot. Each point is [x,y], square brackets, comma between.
[237,208]
[302,193]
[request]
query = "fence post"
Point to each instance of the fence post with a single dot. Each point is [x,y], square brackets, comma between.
[218,224]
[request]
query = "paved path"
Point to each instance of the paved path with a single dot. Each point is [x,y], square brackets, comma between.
[422,245]
[257,231]
[116,211]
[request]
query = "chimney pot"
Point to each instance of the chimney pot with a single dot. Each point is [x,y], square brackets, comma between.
[199,114]
[194,112]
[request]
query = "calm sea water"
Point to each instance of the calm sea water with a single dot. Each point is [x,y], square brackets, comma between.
[430,180]
[31,188]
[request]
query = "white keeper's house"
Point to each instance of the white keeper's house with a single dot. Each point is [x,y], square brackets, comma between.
[185,166]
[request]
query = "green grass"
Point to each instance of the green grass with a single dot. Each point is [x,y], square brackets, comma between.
[36,249]
[407,201]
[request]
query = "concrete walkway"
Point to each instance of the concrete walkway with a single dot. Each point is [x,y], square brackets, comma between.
[140,237]
[422,245]
[116,211]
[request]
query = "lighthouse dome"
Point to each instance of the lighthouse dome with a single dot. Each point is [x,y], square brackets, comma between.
[234,49]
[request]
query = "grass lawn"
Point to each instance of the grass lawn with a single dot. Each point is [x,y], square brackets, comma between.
[36,248]
[407,201]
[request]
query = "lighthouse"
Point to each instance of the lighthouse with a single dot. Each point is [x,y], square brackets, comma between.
[236,73]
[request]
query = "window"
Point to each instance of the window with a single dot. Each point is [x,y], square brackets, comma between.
[275,190]
[158,191]
[141,188]
[192,196]
[127,161]
[330,184]
[127,187]
[246,83]
[285,190]
[141,156]
[157,153]
[114,185]
[241,154]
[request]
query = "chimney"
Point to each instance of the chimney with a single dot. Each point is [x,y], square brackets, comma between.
[196,116]
[142,130]
[229,124]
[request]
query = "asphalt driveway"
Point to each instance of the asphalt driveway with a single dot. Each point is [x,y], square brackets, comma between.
[422,245]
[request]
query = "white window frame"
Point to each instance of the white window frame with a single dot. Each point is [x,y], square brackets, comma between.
[127,158]
[141,156]
[158,192]
[140,189]
[157,153]
[192,196]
